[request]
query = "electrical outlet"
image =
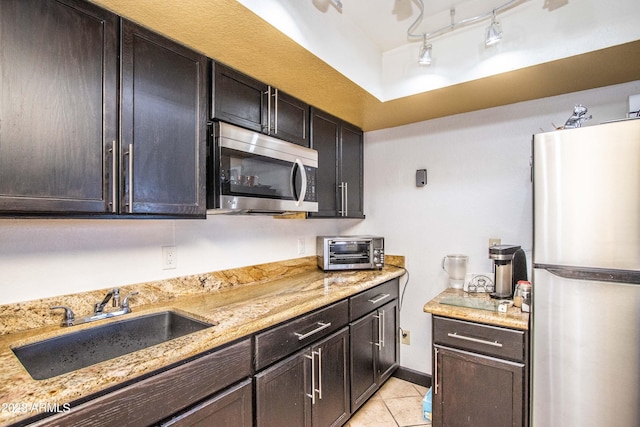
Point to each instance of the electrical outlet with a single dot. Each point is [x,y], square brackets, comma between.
[406,337]
[169,257]
[493,241]
[301,248]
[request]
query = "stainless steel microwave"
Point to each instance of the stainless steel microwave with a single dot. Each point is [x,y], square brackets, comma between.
[350,252]
[248,172]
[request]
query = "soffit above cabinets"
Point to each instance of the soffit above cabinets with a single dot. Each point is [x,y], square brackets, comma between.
[550,47]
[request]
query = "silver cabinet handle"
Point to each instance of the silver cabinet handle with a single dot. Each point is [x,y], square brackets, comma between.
[130,178]
[313,377]
[114,177]
[275,116]
[341,212]
[346,199]
[476,340]
[381,320]
[379,298]
[435,370]
[380,317]
[315,390]
[269,109]
[321,327]
[319,389]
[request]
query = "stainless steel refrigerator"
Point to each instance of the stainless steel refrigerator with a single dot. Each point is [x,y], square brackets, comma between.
[586,277]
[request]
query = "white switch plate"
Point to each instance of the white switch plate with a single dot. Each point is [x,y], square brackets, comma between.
[301,246]
[493,241]
[405,337]
[169,257]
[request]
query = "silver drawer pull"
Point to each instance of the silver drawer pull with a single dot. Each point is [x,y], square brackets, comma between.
[321,327]
[479,341]
[379,298]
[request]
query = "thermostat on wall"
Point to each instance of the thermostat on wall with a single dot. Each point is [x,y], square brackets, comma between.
[421,177]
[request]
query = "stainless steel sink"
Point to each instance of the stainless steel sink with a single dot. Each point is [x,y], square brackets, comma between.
[69,352]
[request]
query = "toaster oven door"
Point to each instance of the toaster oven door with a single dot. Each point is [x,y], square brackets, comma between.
[350,254]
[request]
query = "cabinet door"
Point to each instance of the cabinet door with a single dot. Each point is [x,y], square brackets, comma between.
[351,170]
[281,393]
[163,118]
[475,390]
[388,344]
[232,407]
[289,118]
[58,106]
[331,405]
[364,336]
[239,99]
[325,131]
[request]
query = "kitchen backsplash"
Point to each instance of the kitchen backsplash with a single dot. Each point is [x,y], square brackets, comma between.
[26,315]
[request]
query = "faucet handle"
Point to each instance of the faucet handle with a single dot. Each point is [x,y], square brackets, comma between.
[68,314]
[115,300]
[125,301]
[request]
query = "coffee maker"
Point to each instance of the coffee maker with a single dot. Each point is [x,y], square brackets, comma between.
[509,266]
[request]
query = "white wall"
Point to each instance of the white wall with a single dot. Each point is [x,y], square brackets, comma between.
[478,187]
[41,258]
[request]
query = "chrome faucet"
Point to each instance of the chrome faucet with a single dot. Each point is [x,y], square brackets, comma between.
[113,293]
[98,313]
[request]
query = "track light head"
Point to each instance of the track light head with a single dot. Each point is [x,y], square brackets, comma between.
[424,57]
[494,32]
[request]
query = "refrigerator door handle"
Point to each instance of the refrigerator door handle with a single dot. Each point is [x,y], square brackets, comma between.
[593,274]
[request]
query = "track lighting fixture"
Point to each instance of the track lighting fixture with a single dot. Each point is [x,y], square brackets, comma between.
[493,33]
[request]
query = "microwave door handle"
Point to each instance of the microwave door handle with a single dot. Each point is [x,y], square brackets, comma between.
[303,191]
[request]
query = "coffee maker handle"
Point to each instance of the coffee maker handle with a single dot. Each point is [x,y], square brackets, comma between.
[518,268]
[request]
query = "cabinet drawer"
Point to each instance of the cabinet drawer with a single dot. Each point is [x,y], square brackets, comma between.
[282,340]
[371,299]
[152,399]
[485,339]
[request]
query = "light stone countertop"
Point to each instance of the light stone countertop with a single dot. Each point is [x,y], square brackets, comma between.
[513,318]
[252,299]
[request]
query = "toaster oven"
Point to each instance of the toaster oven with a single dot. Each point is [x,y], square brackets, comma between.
[350,252]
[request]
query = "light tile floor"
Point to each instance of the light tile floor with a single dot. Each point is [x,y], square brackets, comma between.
[397,404]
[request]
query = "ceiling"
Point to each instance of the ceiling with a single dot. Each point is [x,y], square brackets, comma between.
[315,60]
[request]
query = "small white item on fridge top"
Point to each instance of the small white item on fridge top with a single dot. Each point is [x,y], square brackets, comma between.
[634,106]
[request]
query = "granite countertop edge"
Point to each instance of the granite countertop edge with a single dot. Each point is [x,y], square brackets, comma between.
[514,318]
[237,312]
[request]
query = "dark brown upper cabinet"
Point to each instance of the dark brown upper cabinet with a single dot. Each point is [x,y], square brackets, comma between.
[58,107]
[340,180]
[69,145]
[247,102]
[163,125]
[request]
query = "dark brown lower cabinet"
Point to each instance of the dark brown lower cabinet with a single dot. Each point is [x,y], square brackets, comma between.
[480,375]
[374,352]
[160,397]
[309,388]
[232,407]
[476,390]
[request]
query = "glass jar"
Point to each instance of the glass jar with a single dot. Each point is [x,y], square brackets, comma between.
[517,295]
[525,294]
